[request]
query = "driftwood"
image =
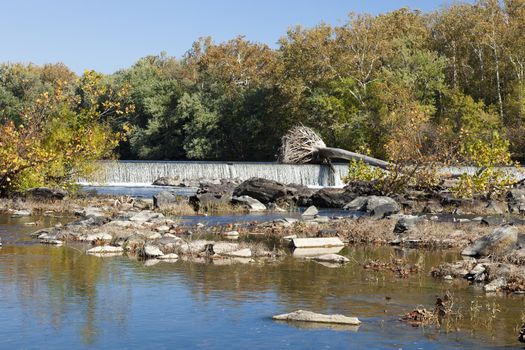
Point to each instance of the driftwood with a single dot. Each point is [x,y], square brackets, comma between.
[302,145]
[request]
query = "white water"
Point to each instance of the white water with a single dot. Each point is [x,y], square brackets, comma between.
[143,173]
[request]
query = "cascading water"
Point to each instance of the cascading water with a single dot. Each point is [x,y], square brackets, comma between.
[145,172]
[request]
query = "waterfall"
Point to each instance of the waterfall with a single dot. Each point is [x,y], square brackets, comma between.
[145,172]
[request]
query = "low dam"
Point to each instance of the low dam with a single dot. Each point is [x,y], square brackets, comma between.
[145,172]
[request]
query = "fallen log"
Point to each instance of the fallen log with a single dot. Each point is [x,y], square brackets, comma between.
[302,145]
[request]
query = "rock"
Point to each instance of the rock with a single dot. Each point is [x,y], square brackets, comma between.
[99,236]
[406,222]
[168,181]
[171,256]
[222,247]
[496,207]
[494,220]
[275,207]
[231,234]
[332,197]
[516,200]
[46,193]
[432,207]
[251,203]
[327,232]
[308,316]
[164,198]
[90,212]
[242,253]
[162,228]
[358,204]
[332,258]
[264,190]
[20,213]
[310,211]
[316,251]
[317,242]
[378,206]
[501,240]
[145,216]
[105,249]
[152,251]
[496,284]
[208,201]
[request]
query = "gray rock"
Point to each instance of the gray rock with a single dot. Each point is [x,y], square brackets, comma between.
[377,206]
[406,222]
[145,216]
[496,284]
[317,242]
[310,211]
[168,181]
[152,251]
[171,256]
[332,258]
[265,191]
[242,253]
[106,249]
[164,198]
[20,213]
[99,236]
[251,203]
[308,316]
[222,247]
[501,240]
[90,212]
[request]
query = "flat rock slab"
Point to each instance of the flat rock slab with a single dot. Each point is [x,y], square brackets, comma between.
[308,316]
[105,249]
[317,242]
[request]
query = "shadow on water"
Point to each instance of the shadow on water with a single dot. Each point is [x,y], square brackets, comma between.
[58,297]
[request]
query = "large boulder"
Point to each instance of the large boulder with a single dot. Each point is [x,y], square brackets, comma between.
[502,240]
[46,193]
[264,190]
[332,197]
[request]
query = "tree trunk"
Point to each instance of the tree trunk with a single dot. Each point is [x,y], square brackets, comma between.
[338,153]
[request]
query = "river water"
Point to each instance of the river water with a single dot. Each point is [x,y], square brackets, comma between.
[61,298]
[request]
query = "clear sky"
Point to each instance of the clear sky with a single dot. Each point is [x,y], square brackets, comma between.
[106,35]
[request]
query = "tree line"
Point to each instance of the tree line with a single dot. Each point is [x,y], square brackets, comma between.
[385,84]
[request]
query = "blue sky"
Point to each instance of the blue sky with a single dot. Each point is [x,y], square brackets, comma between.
[106,35]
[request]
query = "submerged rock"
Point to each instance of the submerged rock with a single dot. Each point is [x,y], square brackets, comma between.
[501,240]
[332,258]
[308,316]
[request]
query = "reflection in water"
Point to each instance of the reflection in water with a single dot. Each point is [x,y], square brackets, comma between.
[60,298]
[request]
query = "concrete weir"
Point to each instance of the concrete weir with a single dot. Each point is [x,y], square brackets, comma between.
[145,172]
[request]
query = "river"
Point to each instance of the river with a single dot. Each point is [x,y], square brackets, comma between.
[61,298]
